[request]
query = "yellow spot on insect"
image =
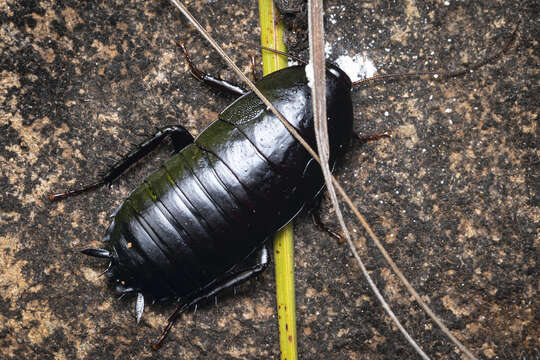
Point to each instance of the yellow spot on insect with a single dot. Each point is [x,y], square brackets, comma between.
[123,282]
[129,245]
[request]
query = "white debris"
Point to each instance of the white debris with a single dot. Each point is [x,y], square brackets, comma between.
[357,67]
[292,62]
[327,49]
[333,19]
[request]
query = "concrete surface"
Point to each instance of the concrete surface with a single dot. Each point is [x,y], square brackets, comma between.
[454,194]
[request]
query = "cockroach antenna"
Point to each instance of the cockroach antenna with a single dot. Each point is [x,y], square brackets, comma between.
[443,75]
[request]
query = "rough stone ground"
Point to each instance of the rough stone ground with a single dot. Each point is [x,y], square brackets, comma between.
[454,194]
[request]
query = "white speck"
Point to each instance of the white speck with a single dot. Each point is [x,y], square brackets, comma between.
[432,53]
[449,39]
[386,113]
[436,76]
[448,110]
[332,18]
[451,122]
[161,77]
[357,67]
[327,49]
[424,150]
[292,62]
[387,49]
[446,3]
[430,97]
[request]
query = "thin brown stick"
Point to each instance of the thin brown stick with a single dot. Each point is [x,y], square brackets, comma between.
[318,64]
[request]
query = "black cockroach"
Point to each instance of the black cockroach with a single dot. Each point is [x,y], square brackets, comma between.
[198,225]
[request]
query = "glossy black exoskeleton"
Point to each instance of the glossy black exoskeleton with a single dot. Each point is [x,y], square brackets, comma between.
[199,223]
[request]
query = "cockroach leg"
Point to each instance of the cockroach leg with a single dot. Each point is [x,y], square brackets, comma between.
[251,266]
[367,138]
[323,227]
[213,81]
[180,138]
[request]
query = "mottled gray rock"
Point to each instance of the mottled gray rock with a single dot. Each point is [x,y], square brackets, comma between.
[454,193]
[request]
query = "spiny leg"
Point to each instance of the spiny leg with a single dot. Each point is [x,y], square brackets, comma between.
[373,137]
[178,134]
[323,227]
[252,265]
[214,82]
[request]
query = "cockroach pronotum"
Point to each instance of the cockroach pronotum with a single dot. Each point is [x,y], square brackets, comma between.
[198,225]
